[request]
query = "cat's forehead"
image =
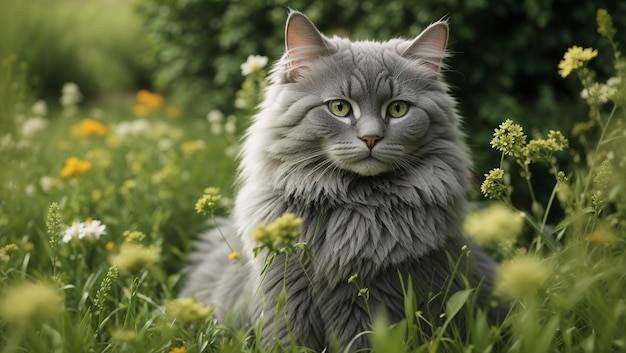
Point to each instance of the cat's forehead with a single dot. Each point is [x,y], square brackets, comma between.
[368,66]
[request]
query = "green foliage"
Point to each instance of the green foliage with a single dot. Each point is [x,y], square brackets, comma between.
[504,53]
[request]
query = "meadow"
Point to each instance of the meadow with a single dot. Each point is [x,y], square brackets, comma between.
[101,200]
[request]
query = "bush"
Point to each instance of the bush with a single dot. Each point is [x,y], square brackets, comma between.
[97,44]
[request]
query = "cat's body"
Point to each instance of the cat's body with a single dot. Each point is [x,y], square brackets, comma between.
[361,140]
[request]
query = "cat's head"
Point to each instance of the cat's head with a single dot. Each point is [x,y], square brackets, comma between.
[362,107]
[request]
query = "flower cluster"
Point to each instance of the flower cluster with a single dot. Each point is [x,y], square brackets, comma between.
[494,186]
[496,223]
[91,229]
[575,58]
[602,93]
[30,303]
[542,149]
[520,277]
[209,201]
[283,230]
[75,166]
[87,127]
[509,138]
[70,97]
[187,310]
[147,102]
[605,24]
[132,258]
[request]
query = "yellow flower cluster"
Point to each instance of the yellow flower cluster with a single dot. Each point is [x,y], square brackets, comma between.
[605,24]
[133,257]
[75,166]
[519,277]
[494,187]
[208,202]
[495,223]
[187,310]
[88,127]
[147,102]
[30,303]
[508,138]
[284,229]
[542,149]
[575,58]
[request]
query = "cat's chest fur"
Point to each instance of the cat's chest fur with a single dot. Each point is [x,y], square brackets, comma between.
[366,225]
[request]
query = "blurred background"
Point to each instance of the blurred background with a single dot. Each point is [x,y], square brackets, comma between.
[504,63]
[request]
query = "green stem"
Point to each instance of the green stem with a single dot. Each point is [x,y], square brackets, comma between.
[222,234]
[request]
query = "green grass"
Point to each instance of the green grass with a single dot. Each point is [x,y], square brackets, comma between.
[567,296]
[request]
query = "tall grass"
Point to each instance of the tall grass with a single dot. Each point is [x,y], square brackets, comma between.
[138,166]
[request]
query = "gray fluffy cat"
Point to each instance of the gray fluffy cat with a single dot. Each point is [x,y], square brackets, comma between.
[361,140]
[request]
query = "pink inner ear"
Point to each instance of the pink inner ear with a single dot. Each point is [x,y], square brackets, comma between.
[303,42]
[430,45]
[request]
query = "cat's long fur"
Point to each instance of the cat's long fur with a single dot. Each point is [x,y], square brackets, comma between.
[388,213]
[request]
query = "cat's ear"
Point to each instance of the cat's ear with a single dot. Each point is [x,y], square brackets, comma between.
[303,43]
[429,46]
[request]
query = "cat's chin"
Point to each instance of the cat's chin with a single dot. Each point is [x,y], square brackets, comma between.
[368,167]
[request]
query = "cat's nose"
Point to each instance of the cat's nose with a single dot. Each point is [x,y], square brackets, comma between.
[370,141]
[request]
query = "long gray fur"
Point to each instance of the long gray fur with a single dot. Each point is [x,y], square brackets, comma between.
[388,213]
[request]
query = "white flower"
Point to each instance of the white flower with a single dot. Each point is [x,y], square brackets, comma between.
[230,127]
[93,230]
[254,63]
[75,231]
[241,103]
[40,108]
[139,127]
[601,93]
[32,126]
[47,183]
[30,190]
[70,95]
[215,116]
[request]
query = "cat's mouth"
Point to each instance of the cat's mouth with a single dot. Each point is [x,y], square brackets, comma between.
[368,166]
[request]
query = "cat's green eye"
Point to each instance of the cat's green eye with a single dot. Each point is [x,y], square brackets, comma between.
[339,107]
[397,109]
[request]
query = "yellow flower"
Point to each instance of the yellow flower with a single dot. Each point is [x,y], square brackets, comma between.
[284,229]
[75,166]
[187,310]
[208,202]
[8,249]
[134,236]
[132,257]
[88,127]
[519,277]
[30,303]
[109,246]
[494,187]
[150,100]
[180,349]
[190,147]
[574,58]
[233,255]
[494,223]
[141,110]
